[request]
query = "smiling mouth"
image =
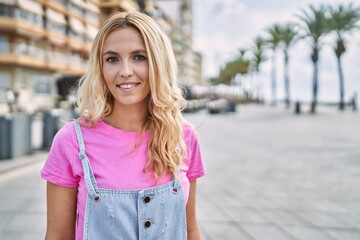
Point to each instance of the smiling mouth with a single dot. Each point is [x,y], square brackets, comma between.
[127,86]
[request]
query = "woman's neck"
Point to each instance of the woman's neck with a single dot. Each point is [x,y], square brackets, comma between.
[127,119]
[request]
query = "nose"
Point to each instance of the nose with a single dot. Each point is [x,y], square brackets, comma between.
[126,70]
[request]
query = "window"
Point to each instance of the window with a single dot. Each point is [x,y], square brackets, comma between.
[4,46]
[30,17]
[92,17]
[62,2]
[6,10]
[37,20]
[22,48]
[56,27]
[41,84]
[75,9]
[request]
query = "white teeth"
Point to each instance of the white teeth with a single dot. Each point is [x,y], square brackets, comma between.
[127,86]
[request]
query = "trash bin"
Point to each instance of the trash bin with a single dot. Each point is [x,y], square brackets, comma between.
[231,106]
[50,128]
[5,132]
[21,135]
[15,135]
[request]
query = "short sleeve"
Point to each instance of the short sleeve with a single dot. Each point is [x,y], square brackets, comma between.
[58,168]
[193,159]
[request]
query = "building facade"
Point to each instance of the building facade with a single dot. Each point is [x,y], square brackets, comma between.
[180,15]
[39,41]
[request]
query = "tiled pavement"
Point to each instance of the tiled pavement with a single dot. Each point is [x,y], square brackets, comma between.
[275,175]
[270,175]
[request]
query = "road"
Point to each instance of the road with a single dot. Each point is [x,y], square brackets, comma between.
[271,175]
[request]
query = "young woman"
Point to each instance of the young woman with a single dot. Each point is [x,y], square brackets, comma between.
[127,168]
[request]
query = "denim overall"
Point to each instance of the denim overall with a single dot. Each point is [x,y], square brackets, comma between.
[152,214]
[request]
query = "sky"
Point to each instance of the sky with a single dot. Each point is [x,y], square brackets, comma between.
[222,27]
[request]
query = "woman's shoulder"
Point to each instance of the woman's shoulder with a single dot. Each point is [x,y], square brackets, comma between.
[189,130]
[69,128]
[187,126]
[66,129]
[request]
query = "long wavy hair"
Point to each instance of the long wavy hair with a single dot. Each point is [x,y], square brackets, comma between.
[166,147]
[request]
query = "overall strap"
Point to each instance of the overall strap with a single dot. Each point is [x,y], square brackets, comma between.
[88,173]
[176,178]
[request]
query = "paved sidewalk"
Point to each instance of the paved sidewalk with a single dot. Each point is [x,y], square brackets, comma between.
[22,202]
[271,175]
[7,165]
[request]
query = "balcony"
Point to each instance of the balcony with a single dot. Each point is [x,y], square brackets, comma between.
[23,55]
[21,27]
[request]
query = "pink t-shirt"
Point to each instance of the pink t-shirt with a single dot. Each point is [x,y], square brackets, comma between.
[115,162]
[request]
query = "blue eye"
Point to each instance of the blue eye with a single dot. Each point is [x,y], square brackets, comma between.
[112,59]
[139,58]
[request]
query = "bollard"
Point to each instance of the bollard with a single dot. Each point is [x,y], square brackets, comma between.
[297,107]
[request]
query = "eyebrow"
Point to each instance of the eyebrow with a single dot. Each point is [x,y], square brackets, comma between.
[110,52]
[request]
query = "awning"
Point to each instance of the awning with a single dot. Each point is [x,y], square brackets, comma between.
[91,31]
[55,16]
[92,8]
[31,6]
[77,25]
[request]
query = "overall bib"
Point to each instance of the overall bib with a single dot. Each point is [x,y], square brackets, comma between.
[152,214]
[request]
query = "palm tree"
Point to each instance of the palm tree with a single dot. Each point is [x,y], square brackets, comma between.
[288,38]
[315,26]
[240,65]
[343,19]
[273,43]
[258,52]
[244,63]
[243,66]
[258,57]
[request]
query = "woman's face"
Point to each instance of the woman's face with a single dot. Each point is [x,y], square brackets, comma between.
[126,68]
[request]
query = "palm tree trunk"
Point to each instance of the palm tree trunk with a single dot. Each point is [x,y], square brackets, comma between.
[315,88]
[286,79]
[341,82]
[257,87]
[315,60]
[273,79]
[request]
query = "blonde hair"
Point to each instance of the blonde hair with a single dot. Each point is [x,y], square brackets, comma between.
[166,146]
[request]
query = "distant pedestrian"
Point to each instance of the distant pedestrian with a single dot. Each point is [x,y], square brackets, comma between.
[137,177]
[10,100]
[354,102]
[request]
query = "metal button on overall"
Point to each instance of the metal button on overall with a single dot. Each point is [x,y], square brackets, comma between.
[147,199]
[147,224]
[97,198]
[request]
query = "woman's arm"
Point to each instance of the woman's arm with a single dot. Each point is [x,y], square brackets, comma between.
[193,231]
[61,212]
